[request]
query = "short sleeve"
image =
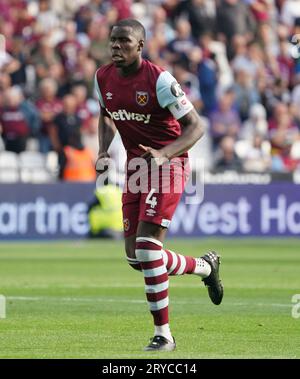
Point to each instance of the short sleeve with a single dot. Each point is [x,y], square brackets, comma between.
[170,95]
[98,92]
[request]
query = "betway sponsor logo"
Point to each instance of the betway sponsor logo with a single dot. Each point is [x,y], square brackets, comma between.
[123,115]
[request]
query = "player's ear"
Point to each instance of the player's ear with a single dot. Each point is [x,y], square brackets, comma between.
[141,44]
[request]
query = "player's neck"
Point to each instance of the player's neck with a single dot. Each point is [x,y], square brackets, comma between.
[131,69]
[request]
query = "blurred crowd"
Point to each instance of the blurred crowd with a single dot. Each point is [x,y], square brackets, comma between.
[237,61]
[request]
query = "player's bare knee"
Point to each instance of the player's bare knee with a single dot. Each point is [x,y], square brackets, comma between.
[130,247]
[130,251]
[131,257]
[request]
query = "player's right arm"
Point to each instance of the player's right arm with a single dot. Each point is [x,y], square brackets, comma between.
[106,132]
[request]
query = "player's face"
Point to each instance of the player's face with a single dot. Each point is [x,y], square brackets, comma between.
[125,46]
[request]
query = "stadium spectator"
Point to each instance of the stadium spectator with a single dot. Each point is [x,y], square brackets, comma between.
[207,73]
[83,111]
[286,64]
[248,56]
[76,161]
[156,49]
[69,48]
[290,11]
[105,213]
[18,52]
[44,57]
[277,91]
[8,64]
[201,15]
[257,156]
[225,120]
[260,9]
[89,136]
[180,47]
[246,93]
[88,75]
[64,123]
[98,33]
[216,51]
[228,159]
[19,119]
[5,83]
[49,107]
[233,17]
[20,17]
[160,24]
[256,124]
[46,18]
[295,100]
[283,134]
[84,16]
[295,37]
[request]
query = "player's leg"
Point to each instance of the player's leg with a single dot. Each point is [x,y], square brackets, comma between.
[130,253]
[207,267]
[158,207]
[176,264]
[146,254]
[130,222]
[149,242]
[179,264]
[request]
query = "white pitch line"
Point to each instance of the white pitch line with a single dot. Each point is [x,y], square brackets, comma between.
[124,285]
[75,299]
[133,301]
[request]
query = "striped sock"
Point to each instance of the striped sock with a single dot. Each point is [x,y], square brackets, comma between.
[178,264]
[149,254]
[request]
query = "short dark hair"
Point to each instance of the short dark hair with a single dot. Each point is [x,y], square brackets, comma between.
[137,27]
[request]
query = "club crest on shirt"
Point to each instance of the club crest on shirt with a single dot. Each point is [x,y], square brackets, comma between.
[141,98]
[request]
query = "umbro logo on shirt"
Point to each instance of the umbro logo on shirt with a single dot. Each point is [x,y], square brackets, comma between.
[108,95]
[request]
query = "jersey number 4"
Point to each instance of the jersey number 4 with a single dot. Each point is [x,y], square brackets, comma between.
[150,199]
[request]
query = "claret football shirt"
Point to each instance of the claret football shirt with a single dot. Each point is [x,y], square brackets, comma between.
[144,106]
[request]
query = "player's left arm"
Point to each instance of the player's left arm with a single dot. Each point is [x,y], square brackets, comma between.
[192,130]
[171,96]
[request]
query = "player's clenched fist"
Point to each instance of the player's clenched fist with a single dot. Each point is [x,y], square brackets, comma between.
[151,153]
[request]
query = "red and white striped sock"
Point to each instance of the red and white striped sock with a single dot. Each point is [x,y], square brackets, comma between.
[178,264]
[149,253]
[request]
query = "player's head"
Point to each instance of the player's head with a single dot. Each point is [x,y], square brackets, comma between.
[127,39]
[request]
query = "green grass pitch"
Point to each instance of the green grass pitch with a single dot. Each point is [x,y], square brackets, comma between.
[82,300]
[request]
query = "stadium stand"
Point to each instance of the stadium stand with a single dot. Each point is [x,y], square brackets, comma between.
[238,61]
[9,167]
[33,168]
